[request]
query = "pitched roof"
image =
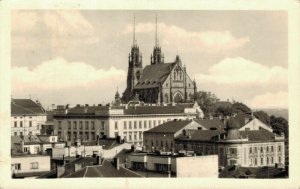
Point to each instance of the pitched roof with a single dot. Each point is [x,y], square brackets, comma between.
[154,110]
[169,127]
[86,109]
[25,106]
[210,123]
[28,139]
[201,135]
[104,170]
[153,75]
[258,135]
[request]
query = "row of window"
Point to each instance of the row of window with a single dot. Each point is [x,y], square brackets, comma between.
[33,165]
[22,117]
[157,143]
[74,124]
[20,134]
[140,124]
[80,135]
[21,123]
[264,161]
[130,136]
[268,149]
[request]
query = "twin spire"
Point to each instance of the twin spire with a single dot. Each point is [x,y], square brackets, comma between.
[156,34]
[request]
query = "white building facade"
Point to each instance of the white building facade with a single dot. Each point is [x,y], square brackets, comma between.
[27,117]
[129,123]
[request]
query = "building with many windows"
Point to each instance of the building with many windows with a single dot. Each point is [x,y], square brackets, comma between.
[27,117]
[245,148]
[128,122]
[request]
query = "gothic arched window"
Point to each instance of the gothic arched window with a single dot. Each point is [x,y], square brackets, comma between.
[174,75]
[180,75]
[138,75]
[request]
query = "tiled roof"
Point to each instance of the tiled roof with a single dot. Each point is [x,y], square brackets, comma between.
[86,109]
[258,135]
[153,75]
[169,127]
[154,110]
[104,170]
[201,135]
[211,123]
[28,139]
[25,106]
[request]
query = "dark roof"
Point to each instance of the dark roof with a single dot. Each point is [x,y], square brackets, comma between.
[201,135]
[26,106]
[253,172]
[258,135]
[108,143]
[211,123]
[169,127]
[153,75]
[94,110]
[28,139]
[107,169]
[154,110]
[86,109]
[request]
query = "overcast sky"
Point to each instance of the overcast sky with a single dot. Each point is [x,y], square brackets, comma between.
[81,56]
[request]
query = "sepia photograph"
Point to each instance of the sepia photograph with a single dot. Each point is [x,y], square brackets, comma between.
[149,93]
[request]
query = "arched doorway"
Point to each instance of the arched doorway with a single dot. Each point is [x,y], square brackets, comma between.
[178,97]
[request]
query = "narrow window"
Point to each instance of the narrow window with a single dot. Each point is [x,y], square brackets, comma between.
[116,125]
[125,124]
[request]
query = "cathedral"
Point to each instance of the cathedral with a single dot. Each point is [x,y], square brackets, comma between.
[159,82]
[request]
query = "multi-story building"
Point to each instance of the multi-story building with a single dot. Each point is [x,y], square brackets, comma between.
[246,148]
[27,117]
[128,122]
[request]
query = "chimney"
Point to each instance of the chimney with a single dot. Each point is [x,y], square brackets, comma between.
[77,167]
[60,170]
[117,163]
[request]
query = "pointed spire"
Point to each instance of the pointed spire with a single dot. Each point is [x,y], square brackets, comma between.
[156,36]
[134,40]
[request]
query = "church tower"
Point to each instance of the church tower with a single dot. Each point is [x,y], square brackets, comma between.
[135,68]
[157,57]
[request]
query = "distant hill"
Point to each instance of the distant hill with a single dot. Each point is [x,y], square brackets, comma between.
[276,112]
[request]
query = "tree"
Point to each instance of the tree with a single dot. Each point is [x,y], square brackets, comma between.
[224,111]
[279,125]
[262,116]
[238,107]
[206,100]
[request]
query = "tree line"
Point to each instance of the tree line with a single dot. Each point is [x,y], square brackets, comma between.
[212,106]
